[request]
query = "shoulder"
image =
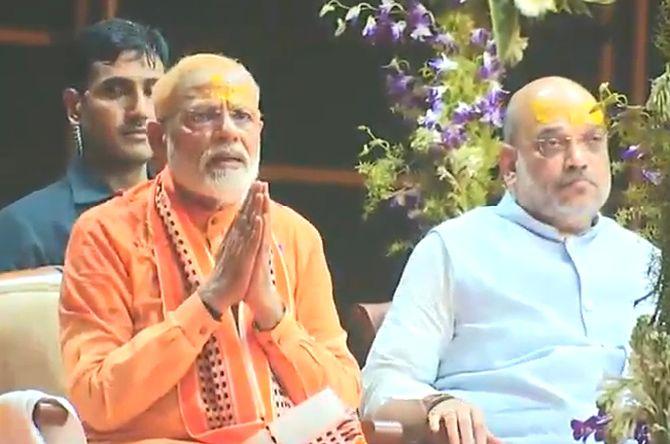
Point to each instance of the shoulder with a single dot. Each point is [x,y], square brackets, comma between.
[293,223]
[468,221]
[628,239]
[38,206]
[117,217]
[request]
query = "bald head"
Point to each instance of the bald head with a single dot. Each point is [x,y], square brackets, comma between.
[546,99]
[555,161]
[205,75]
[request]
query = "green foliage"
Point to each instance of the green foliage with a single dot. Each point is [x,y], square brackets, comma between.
[662,38]
[439,181]
[506,26]
[644,395]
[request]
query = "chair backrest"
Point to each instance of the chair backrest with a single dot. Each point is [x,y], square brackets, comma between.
[364,321]
[29,348]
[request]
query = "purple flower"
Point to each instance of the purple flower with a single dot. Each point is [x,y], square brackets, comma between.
[652,176]
[382,29]
[418,14]
[595,425]
[434,97]
[397,29]
[408,198]
[445,42]
[442,63]
[370,28]
[491,67]
[398,84]
[386,6]
[419,21]
[405,91]
[480,36]
[431,119]
[496,95]
[421,33]
[464,113]
[453,136]
[632,152]
[491,47]
[494,116]
[491,106]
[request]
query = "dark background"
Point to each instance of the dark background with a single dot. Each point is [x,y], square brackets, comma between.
[316,89]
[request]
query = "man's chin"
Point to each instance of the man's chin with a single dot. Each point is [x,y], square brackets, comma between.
[578,209]
[135,152]
[228,192]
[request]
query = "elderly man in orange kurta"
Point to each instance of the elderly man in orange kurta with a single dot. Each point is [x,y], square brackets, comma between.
[194,307]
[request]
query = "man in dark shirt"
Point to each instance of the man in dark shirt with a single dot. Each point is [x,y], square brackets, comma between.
[112,67]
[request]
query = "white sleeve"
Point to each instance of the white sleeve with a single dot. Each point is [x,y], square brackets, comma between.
[405,355]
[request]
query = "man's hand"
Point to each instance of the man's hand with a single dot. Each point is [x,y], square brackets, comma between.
[262,296]
[463,423]
[229,281]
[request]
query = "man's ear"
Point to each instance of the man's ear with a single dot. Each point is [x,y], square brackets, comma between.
[158,142]
[72,104]
[507,164]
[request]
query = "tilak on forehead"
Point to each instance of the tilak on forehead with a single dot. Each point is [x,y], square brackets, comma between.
[205,76]
[575,109]
[235,88]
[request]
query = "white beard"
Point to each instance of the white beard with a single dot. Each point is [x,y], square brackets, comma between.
[232,185]
[226,185]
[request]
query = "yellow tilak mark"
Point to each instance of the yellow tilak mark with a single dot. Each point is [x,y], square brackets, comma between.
[548,110]
[239,94]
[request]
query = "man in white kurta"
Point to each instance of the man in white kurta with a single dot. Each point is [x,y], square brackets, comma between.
[507,319]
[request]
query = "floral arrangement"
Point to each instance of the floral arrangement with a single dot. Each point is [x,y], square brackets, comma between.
[637,406]
[445,84]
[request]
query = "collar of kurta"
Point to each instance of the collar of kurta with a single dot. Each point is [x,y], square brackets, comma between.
[205,219]
[86,187]
[511,210]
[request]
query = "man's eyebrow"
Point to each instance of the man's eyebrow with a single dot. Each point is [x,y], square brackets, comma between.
[116,79]
[550,130]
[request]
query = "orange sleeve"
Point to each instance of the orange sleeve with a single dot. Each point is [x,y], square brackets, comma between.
[114,373]
[309,352]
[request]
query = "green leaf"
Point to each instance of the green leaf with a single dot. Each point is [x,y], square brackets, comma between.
[507,31]
[601,2]
[325,9]
[341,27]
[398,247]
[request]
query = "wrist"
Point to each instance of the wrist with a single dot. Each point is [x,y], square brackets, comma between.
[212,302]
[213,311]
[431,401]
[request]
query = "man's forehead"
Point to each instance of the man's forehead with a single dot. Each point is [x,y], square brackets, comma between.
[129,64]
[214,77]
[231,85]
[569,106]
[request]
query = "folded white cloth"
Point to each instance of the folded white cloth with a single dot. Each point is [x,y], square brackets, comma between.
[17,426]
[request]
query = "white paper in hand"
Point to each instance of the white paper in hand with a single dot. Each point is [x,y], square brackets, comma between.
[305,422]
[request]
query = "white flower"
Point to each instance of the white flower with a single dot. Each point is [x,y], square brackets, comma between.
[535,8]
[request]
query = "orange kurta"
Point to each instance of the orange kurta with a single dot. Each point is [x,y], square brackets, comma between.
[124,356]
